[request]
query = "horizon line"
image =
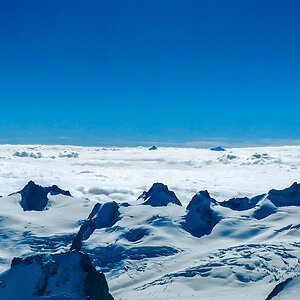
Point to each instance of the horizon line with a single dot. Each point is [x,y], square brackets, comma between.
[206,143]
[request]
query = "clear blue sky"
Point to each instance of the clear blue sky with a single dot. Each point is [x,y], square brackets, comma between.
[125,72]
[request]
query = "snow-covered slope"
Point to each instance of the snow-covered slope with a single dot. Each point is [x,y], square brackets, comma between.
[208,247]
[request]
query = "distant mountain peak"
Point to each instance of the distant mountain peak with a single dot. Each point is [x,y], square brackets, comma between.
[153,148]
[219,148]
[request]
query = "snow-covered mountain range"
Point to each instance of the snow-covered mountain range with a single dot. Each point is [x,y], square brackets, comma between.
[163,224]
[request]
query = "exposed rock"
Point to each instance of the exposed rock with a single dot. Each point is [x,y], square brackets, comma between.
[153,148]
[279,288]
[201,218]
[219,148]
[102,216]
[264,209]
[241,204]
[35,197]
[286,197]
[159,195]
[69,275]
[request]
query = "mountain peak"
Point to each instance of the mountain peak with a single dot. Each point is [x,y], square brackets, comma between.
[35,197]
[201,218]
[159,195]
[153,148]
[219,148]
[71,273]
[286,197]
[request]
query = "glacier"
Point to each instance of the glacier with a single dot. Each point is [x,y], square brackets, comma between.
[175,223]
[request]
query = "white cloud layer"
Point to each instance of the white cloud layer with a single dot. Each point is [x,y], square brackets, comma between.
[123,173]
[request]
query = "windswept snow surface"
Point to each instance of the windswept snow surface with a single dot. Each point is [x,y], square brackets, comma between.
[200,250]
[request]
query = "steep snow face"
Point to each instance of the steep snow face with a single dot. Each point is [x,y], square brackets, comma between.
[159,195]
[286,197]
[35,197]
[102,216]
[201,218]
[69,275]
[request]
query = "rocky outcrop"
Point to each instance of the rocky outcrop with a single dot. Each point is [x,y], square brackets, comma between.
[241,204]
[102,216]
[279,288]
[35,197]
[68,275]
[286,197]
[153,148]
[159,195]
[264,209]
[201,217]
[219,148]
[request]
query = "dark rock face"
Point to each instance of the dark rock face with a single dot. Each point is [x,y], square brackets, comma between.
[153,148]
[264,209]
[201,218]
[95,284]
[278,288]
[217,149]
[88,226]
[68,275]
[287,197]
[34,197]
[102,216]
[159,195]
[241,204]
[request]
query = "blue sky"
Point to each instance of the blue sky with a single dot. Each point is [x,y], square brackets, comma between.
[136,72]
